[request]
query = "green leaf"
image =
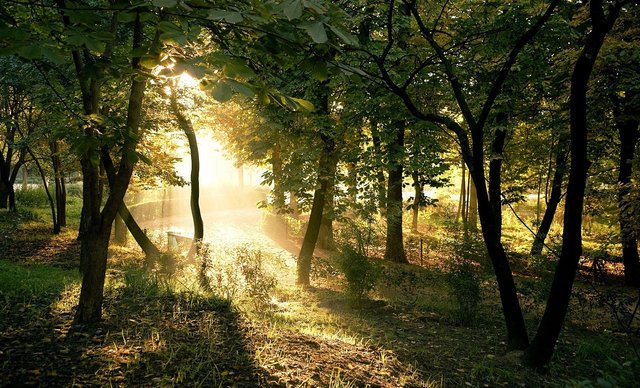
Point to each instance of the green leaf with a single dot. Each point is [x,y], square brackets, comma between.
[232,17]
[30,52]
[149,61]
[293,9]
[317,32]
[165,3]
[319,71]
[304,104]
[165,26]
[221,91]
[344,35]
[240,87]
[235,69]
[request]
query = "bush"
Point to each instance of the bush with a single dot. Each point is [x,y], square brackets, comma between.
[464,282]
[616,375]
[361,274]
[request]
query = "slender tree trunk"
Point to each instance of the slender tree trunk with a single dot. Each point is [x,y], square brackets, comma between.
[185,123]
[293,204]
[120,232]
[462,202]
[58,177]
[472,215]
[278,177]
[394,247]
[495,170]
[125,218]
[56,226]
[554,198]
[377,148]
[543,344]
[627,123]
[325,237]
[317,207]
[417,200]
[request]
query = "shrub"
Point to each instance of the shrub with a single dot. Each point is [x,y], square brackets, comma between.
[32,197]
[464,282]
[361,274]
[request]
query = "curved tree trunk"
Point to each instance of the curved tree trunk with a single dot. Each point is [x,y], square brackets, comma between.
[317,209]
[543,344]
[151,252]
[394,246]
[58,178]
[554,198]
[185,124]
[417,200]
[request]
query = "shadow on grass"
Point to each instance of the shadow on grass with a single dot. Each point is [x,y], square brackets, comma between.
[149,337]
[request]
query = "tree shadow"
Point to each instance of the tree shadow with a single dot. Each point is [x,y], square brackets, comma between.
[149,337]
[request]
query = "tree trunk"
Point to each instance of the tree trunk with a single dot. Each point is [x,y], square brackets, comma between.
[58,178]
[394,246]
[124,217]
[185,123]
[462,202]
[325,237]
[278,177]
[541,349]
[120,232]
[417,200]
[554,198]
[381,186]
[627,123]
[495,170]
[317,208]
[472,215]
[96,223]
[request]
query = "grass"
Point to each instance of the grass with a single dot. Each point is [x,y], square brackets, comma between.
[163,328]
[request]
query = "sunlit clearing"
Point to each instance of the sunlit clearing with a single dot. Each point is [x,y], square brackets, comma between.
[185,80]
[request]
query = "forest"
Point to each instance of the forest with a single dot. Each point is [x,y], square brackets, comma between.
[310,193]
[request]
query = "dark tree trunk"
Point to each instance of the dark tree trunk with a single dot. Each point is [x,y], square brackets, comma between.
[394,246]
[627,123]
[417,200]
[554,198]
[120,232]
[495,170]
[4,195]
[381,187]
[97,222]
[124,217]
[185,123]
[325,237]
[317,209]
[472,211]
[541,349]
[462,202]
[58,178]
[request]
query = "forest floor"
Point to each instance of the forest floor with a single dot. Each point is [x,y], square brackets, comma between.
[160,329]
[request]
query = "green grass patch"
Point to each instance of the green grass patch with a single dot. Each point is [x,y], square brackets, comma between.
[23,283]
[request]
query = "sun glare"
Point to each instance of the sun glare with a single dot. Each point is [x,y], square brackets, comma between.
[185,80]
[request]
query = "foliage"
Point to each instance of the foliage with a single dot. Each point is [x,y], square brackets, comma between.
[361,273]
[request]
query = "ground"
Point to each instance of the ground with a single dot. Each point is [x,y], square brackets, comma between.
[162,329]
